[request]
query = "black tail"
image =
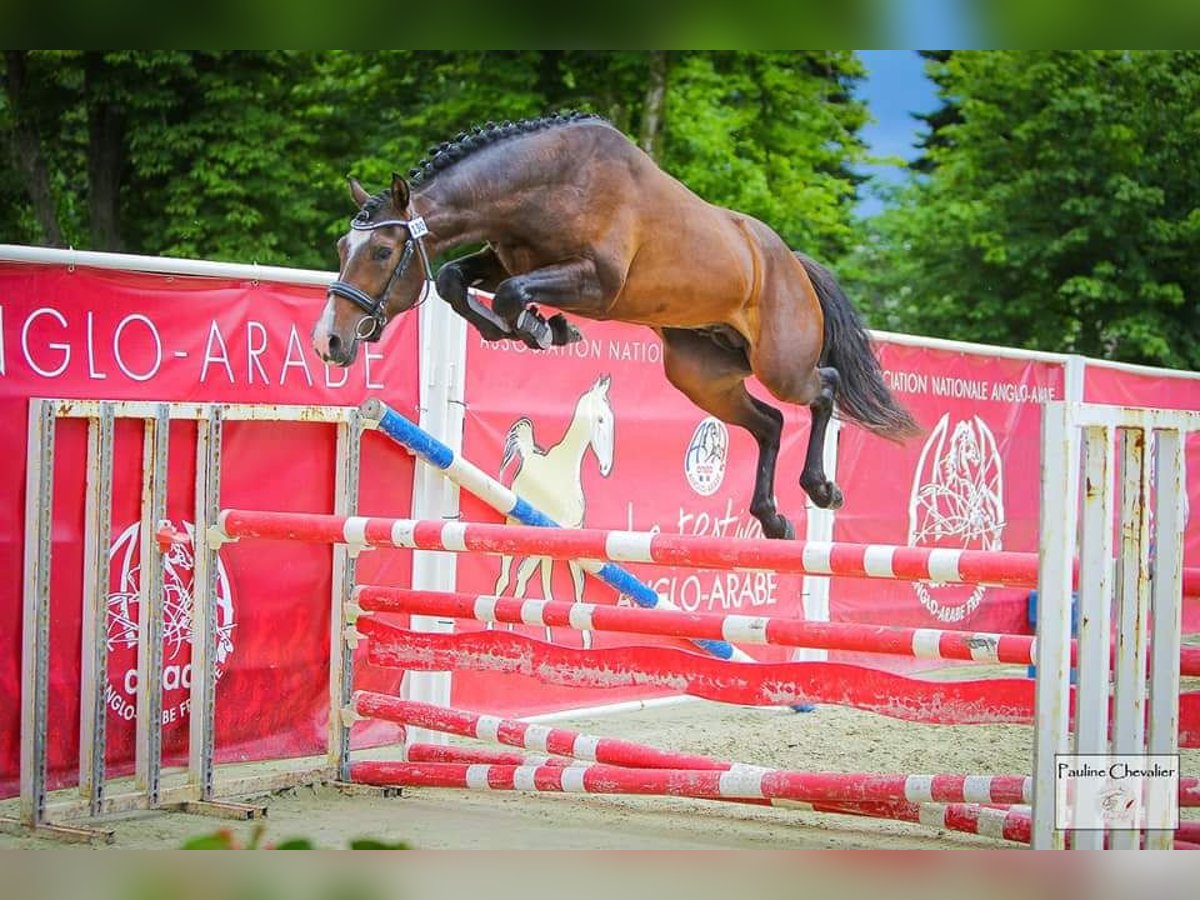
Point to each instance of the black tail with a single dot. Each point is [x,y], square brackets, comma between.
[862,395]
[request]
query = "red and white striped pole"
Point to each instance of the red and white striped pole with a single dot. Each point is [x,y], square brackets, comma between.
[921,643]
[612,753]
[982,817]
[526,735]
[942,565]
[734,784]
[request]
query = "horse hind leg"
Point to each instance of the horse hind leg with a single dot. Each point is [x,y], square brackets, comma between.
[713,377]
[786,358]
[816,390]
[823,492]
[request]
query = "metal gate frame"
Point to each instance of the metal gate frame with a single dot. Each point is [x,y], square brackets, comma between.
[201,789]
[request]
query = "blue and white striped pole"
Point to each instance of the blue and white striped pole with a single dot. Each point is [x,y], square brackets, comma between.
[376,413]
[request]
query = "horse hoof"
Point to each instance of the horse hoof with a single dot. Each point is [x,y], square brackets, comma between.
[836,498]
[564,332]
[535,331]
[779,529]
[825,495]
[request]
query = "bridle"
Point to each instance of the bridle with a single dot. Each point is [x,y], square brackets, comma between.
[376,308]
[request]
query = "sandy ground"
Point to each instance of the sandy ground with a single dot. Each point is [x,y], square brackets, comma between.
[827,739]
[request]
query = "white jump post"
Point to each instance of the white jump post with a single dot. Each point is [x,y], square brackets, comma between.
[443,335]
[1067,427]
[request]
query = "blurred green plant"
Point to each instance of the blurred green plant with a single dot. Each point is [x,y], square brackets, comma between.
[225,839]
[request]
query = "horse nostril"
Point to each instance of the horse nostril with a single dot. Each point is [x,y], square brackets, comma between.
[335,344]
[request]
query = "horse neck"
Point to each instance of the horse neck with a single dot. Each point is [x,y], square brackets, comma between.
[463,203]
[578,437]
[452,221]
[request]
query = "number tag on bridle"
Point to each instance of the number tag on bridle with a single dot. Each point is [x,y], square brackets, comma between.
[417,227]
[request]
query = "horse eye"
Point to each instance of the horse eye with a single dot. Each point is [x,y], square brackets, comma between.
[382,253]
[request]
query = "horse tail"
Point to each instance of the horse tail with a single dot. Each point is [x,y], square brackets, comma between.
[518,442]
[862,395]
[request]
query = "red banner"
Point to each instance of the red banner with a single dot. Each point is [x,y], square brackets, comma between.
[113,335]
[595,435]
[970,481]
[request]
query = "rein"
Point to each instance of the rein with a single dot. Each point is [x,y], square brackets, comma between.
[375,308]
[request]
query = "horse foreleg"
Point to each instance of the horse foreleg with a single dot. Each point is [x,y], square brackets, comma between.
[577,581]
[547,593]
[505,574]
[713,377]
[483,270]
[571,285]
[524,573]
[502,584]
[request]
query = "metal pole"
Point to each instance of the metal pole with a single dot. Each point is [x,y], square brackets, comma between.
[1059,505]
[35,628]
[341,654]
[442,363]
[1133,600]
[1095,602]
[1170,517]
[93,712]
[148,754]
[820,528]
[202,721]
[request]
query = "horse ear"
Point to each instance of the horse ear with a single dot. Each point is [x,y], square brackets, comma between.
[604,381]
[358,193]
[399,192]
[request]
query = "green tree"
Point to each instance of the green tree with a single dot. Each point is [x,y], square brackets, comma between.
[1061,211]
[234,169]
[939,121]
[243,156]
[189,154]
[773,135]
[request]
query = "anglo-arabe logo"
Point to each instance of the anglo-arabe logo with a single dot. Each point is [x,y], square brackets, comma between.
[125,571]
[957,501]
[705,457]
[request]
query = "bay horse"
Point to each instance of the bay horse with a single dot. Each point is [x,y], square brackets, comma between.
[574,216]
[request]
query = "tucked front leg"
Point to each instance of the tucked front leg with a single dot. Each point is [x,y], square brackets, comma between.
[539,332]
[483,270]
[573,285]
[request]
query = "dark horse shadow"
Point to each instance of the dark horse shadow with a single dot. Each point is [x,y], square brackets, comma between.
[576,217]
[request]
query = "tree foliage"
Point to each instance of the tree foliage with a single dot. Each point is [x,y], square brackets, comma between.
[243,156]
[1061,210]
[1055,204]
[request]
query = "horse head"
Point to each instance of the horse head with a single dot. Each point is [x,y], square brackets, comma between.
[376,279]
[595,405]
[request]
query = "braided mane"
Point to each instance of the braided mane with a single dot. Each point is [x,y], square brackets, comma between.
[465,143]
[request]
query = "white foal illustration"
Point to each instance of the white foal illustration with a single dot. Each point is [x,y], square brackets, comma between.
[551,480]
